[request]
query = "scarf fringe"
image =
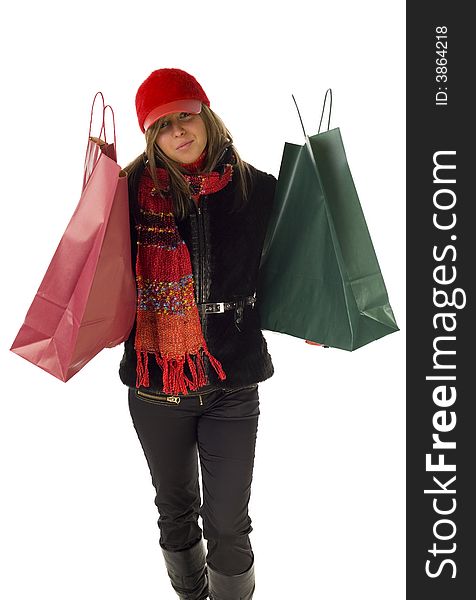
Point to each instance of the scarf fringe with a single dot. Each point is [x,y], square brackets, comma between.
[216,365]
[174,379]
[142,375]
[193,371]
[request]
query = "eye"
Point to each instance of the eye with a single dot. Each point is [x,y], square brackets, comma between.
[163,124]
[184,115]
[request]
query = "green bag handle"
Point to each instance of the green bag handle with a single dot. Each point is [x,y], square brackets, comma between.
[330,109]
[329,91]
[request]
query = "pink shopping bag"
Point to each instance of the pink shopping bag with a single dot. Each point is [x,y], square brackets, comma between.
[87,299]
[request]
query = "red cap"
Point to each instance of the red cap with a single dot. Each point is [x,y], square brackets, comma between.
[166,91]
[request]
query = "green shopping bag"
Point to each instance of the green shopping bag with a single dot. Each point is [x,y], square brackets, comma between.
[319,277]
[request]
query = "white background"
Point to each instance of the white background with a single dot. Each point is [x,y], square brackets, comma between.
[77,513]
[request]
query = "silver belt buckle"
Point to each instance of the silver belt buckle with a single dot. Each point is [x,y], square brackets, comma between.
[214,305]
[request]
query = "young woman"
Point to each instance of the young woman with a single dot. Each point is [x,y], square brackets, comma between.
[196,353]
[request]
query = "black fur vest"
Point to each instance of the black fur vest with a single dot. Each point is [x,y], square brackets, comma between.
[225,250]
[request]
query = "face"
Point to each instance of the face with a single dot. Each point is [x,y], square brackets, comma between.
[178,129]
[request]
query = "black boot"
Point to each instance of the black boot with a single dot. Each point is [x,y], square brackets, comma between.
[187,570]
[231,587]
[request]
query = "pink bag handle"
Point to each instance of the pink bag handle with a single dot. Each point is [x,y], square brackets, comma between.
[93,151]
[92,111]
[113,123]
[110,149]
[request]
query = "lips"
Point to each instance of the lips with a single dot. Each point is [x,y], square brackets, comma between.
[185,145]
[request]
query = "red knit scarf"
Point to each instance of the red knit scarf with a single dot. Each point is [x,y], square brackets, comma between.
[167,320]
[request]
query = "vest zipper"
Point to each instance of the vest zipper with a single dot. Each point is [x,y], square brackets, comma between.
[201,267]
[201,251]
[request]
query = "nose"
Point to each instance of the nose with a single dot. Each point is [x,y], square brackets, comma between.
[178,128]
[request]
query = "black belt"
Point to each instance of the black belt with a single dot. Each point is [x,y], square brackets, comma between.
[219,307]
[237,305]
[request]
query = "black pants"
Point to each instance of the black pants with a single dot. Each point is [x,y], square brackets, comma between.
[220,429]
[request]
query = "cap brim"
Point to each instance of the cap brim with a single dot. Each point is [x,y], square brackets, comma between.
[190,106]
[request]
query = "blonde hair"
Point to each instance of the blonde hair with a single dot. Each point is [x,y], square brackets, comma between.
[218,138]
